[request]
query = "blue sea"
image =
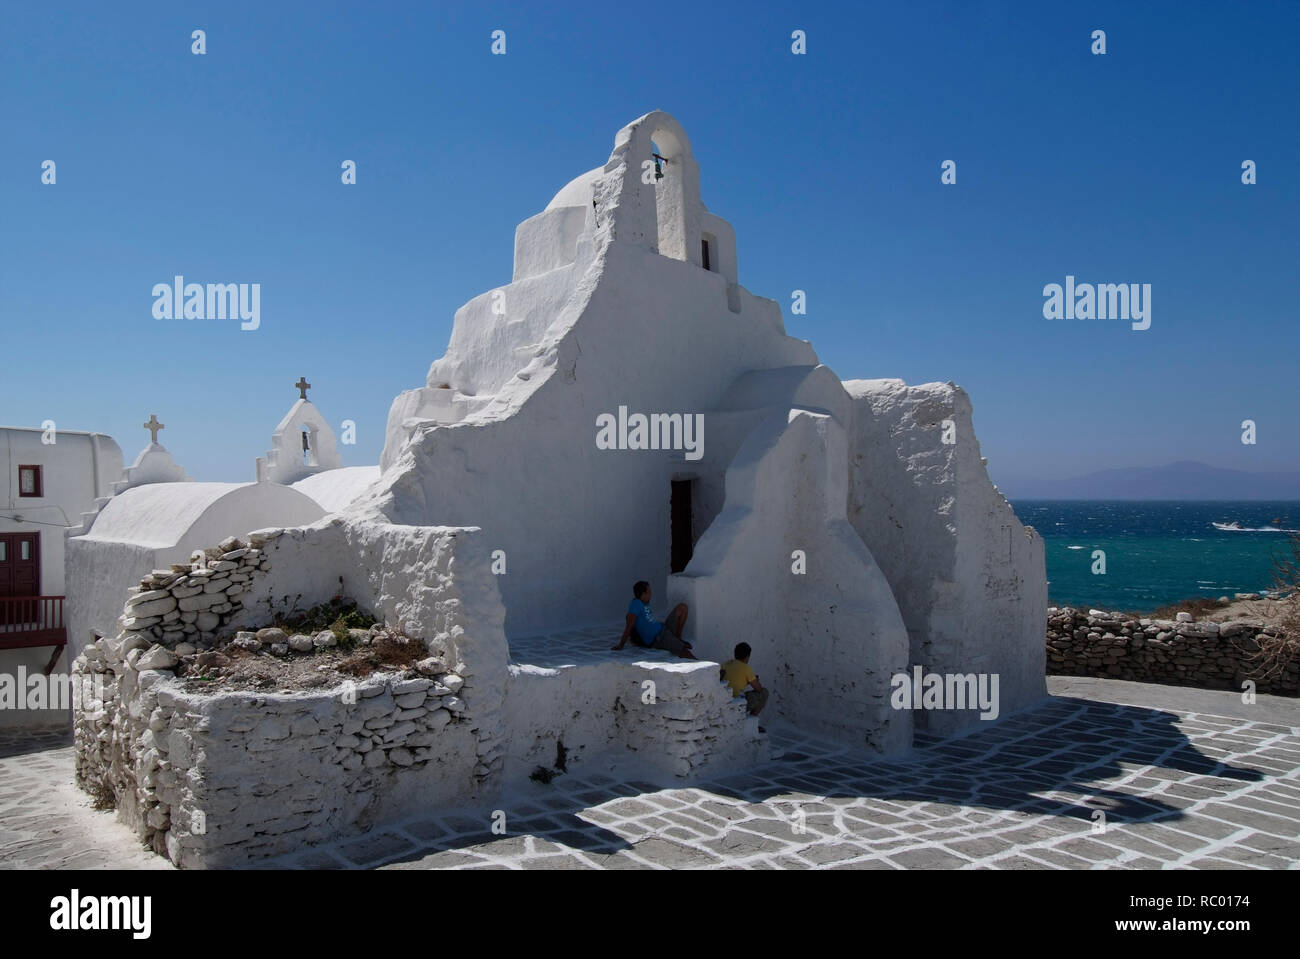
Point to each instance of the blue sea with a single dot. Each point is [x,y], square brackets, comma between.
[1158,552]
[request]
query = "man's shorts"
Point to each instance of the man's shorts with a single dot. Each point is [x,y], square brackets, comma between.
[757,698]
[669,641]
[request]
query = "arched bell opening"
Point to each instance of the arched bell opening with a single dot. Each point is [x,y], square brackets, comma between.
[668,155]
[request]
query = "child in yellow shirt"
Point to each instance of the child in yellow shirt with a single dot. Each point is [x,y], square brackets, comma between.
[743,680]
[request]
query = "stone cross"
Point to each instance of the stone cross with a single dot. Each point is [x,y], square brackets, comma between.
[302,386]
[153,426]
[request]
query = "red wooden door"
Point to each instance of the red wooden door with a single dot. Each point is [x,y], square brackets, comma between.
[20,564]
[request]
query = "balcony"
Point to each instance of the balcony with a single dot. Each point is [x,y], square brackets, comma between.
[33,621]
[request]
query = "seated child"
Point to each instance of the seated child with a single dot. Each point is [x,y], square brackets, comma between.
[737,674]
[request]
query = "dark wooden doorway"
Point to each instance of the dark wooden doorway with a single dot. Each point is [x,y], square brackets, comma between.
[20,564]
[683,543]
[27,619]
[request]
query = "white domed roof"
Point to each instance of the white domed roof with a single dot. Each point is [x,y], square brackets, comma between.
[577,192]
[334,489]
[163,515]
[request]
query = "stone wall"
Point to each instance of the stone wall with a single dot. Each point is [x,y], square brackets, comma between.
[601,712]
[1177,652]
[189,603]
[215,779]
[220,779]
[695,726]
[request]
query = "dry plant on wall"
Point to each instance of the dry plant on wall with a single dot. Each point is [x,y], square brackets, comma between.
[1277,652]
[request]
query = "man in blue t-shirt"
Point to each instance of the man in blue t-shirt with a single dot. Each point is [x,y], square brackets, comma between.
[642,629]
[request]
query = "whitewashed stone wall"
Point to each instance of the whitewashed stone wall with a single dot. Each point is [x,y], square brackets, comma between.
[265,771]
[213,781]
[221,779]
[968,576]
[683,724]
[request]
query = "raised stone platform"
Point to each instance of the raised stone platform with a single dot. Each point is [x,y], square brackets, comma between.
[581,646]
[570,698]
[219,780]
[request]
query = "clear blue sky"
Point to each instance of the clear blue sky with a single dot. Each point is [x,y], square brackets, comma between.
[225,168]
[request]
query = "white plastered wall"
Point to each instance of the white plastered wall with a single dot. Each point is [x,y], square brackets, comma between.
[781,569]
[621,326]
[969,577]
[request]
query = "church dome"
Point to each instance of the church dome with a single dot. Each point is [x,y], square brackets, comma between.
[577,192]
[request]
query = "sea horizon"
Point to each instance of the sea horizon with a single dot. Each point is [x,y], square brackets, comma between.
[1139,555]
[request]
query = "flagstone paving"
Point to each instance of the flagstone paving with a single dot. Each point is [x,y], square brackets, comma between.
[1076,783]
[47,823]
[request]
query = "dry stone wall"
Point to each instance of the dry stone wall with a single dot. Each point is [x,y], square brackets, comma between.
[1177,652]
[186,605]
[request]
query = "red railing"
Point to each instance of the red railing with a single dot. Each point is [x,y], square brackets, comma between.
[31,621]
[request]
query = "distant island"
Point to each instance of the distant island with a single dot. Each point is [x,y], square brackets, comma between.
[1186,480]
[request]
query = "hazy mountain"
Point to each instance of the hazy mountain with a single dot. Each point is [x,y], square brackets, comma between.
[1185,480]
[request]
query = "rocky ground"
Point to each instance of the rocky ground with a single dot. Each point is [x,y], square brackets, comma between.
[1268,605]
[1263,607]
[274,659]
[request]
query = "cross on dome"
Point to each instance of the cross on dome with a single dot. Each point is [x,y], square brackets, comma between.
[302,386]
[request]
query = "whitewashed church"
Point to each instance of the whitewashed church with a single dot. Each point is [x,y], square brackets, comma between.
[827,523]
[623,409]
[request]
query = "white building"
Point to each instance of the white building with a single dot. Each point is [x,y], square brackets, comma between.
[626,299]
[50,478]
[846,531]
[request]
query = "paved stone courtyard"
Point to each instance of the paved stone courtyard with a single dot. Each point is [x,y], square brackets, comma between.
[1188,779]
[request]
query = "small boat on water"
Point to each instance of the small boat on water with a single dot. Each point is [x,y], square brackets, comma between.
[1234,525]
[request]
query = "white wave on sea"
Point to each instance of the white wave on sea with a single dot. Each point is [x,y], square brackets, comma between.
[1076,547]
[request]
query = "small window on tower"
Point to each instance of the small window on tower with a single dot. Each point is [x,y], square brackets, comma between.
[29,481]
